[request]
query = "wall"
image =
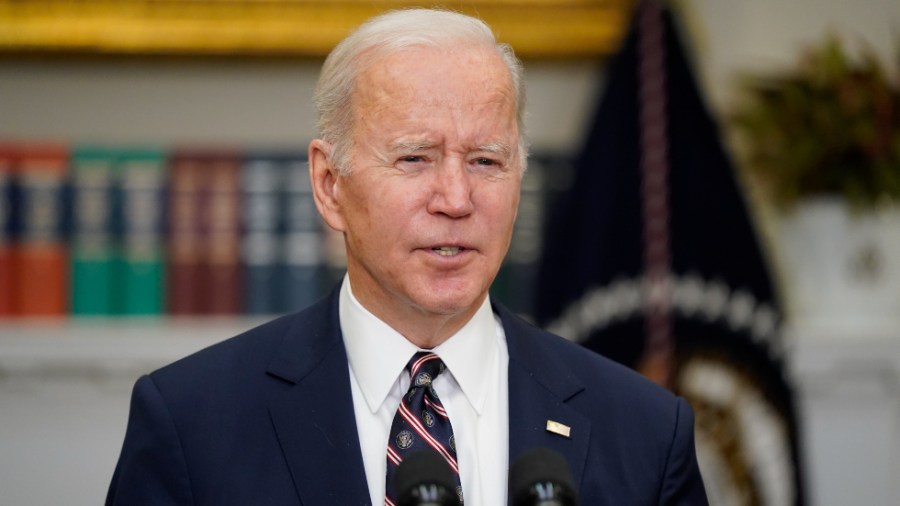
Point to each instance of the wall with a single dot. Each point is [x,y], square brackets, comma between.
[247,103]
[732,36]
[64,409]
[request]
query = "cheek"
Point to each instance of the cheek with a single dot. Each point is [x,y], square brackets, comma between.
[378,214]
[510,211]
[504,205]
[357,203]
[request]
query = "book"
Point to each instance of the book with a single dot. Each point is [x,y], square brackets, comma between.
[519,273]
[262,182]
[92,244]
[221,228]
[184,250]
[7,165]
[41,274]
[305,271]
[203,266]
[139,281]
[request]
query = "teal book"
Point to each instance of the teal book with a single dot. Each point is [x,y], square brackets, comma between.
[92,242]
[140,269]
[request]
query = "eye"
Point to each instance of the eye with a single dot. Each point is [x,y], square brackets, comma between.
[486,164]
[412,163]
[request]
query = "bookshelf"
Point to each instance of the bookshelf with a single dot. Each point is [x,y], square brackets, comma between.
[103,350]
[65,386]
[189,233]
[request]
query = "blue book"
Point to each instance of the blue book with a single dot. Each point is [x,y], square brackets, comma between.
[302,241]
[262,180]
[518,276]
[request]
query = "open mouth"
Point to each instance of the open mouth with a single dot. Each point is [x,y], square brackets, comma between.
[448,251]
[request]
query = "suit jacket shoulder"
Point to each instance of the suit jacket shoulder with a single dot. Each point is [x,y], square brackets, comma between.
[629,441]
[262,418]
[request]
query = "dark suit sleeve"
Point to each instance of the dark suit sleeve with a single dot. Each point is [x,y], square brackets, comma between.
[682,483]
[151,468]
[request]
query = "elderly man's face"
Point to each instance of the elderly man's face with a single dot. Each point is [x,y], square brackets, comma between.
[429,205]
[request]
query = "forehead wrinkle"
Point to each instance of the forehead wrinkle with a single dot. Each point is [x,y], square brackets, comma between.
[383,82]
[384,91]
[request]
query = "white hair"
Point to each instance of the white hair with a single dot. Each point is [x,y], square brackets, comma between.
[391,32]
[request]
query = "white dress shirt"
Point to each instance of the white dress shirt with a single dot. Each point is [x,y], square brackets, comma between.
[473,390]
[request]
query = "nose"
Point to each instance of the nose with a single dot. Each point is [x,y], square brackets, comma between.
[452,190]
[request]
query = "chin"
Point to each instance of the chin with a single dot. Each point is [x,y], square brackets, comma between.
[450,303]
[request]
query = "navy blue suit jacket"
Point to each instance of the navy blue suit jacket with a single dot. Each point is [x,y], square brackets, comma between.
[267,418]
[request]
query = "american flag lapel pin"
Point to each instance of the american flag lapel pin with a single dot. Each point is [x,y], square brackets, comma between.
[559,428]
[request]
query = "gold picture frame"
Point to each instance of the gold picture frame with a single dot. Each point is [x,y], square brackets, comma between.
[535,28]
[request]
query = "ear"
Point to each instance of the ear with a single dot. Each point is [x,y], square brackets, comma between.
[324,180]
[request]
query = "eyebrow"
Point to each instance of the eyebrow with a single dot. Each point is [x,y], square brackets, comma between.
[498,148]
[410,145]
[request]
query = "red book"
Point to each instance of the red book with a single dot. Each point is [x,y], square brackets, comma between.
[221,229]
[184,248]
[203,270]
[7,163]
[40,275]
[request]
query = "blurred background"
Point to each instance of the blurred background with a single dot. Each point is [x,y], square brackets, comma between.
[712,199]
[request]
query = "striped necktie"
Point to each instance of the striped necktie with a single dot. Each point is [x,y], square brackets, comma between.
[421,424]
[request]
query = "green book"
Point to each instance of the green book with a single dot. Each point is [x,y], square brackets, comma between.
[92,243]
[140,273]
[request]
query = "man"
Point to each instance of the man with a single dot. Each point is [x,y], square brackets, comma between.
[418,164]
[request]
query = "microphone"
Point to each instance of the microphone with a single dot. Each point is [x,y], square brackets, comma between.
[425,479]
[541,477]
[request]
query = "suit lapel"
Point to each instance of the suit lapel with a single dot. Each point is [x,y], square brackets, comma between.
[539,387]
[313,412]
[313,417]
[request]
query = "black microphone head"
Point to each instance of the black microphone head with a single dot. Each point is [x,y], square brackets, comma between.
[425,478]
[541,476]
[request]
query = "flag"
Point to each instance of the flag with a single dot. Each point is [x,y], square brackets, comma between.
[651,258]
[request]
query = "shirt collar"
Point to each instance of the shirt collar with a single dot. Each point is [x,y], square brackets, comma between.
[378,354]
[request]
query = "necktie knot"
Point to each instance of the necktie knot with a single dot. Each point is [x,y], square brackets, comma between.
[424,367]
